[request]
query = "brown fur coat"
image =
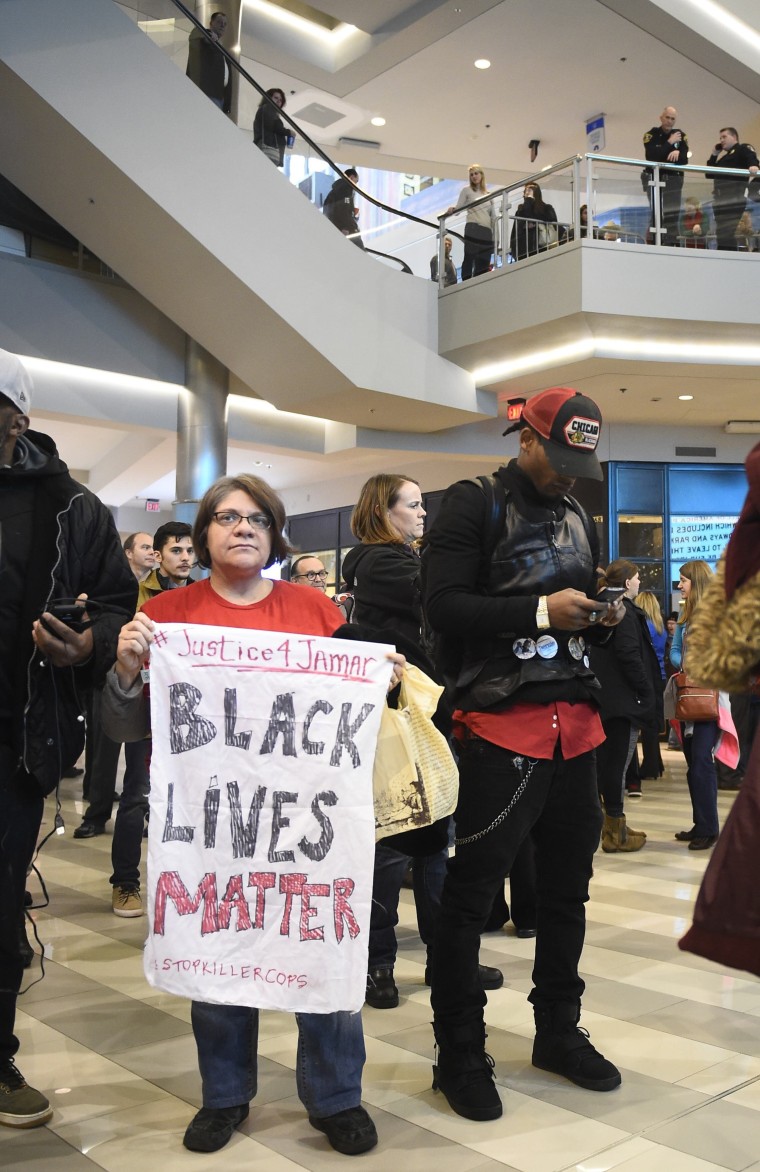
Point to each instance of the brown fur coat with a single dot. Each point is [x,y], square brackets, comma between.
[724,637]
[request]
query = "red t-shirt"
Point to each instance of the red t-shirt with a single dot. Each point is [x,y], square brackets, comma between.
[300,609]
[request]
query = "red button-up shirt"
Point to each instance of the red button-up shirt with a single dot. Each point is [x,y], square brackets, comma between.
[533,730]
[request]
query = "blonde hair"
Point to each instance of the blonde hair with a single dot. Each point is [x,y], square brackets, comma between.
[646,600]
[699,574]
[477,167]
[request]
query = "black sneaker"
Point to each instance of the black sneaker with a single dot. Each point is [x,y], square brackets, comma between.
[213,1127]
[571,1054]
[465,1077]
[20,1104]
[349,1132]
[89,830]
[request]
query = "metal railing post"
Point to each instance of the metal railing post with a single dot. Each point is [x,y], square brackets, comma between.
[656,186]
[576,201]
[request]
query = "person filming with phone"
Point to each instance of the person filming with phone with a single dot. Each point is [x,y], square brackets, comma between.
[58,547]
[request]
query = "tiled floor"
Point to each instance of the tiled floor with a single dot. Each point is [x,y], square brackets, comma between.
[117,1058]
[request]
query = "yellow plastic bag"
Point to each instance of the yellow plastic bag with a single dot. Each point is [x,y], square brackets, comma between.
[415,779]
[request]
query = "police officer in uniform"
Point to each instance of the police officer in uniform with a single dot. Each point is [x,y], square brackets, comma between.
[667,144]
[729,191]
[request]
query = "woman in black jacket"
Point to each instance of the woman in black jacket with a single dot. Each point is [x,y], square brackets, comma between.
[625,668]
[384,575]
[269,133]
[535,225]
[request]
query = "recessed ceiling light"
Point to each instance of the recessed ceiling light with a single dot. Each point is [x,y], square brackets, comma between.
[377,121]
[482,63]
[685,398]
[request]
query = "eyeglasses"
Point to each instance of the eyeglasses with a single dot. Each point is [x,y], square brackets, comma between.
[312,575]
[228,520]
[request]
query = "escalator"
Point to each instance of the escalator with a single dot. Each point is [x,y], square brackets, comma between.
[129,157]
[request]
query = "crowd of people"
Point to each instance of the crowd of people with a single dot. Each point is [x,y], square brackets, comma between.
[549,671]
[551,668]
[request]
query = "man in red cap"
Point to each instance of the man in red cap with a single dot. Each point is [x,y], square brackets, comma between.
[510,588]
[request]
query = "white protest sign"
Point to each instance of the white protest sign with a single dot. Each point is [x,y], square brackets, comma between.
[262,833]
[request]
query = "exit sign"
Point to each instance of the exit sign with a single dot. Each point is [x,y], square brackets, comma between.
[514,410]
[152,506]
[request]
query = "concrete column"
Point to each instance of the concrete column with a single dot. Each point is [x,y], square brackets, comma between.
[201,429]
[204,9]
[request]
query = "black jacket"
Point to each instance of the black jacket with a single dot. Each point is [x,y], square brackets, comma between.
[339,206]
[206,67]
[385,581]
[740,156]
[524,239]
[269,130]
[627,668]
[484,619]
[657,148]
[76,549]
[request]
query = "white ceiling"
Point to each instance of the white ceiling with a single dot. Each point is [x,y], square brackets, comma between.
[554,63]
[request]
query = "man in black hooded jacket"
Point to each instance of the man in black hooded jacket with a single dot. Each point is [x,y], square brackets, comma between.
[56,541]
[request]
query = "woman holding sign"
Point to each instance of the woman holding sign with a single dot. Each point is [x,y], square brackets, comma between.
[238,533]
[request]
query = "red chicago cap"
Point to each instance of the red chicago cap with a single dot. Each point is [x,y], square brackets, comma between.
[569,425]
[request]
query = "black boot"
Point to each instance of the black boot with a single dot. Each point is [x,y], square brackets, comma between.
[381,988]
[464,1071]
[563,1048]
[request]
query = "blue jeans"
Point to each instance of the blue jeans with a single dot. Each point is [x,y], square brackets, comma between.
[701,776]
[428,874]
[560,805]
[21,805]
[328,1066]
[126,847]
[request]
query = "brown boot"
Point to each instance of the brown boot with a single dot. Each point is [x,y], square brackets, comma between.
[616,836]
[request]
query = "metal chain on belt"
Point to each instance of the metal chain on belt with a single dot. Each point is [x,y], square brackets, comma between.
[499,817]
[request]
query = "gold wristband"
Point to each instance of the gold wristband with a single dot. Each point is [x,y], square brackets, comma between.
[542,614]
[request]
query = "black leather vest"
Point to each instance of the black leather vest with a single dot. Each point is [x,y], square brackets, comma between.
[531,557]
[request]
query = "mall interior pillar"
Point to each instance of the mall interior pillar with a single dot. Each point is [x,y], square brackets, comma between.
[201,429]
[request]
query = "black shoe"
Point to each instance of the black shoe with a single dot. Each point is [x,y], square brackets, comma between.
[213,1127]
[73,772]
[464,1074]
[350,1131]
[703,843]
[381,990]
[89,830]
[563,1047]
[489,978]
[687,835]
[20,1104]
[525,933]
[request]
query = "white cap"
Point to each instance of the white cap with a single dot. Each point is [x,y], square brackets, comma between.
[15,382]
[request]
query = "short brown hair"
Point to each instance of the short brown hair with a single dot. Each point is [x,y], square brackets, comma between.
[264,496]
[369,521]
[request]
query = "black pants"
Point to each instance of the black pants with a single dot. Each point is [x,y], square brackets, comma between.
[560,805]
[670,210]
[126,847]
[612,759]
[727,215]
[478,246]
[21,804]
[101,761]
